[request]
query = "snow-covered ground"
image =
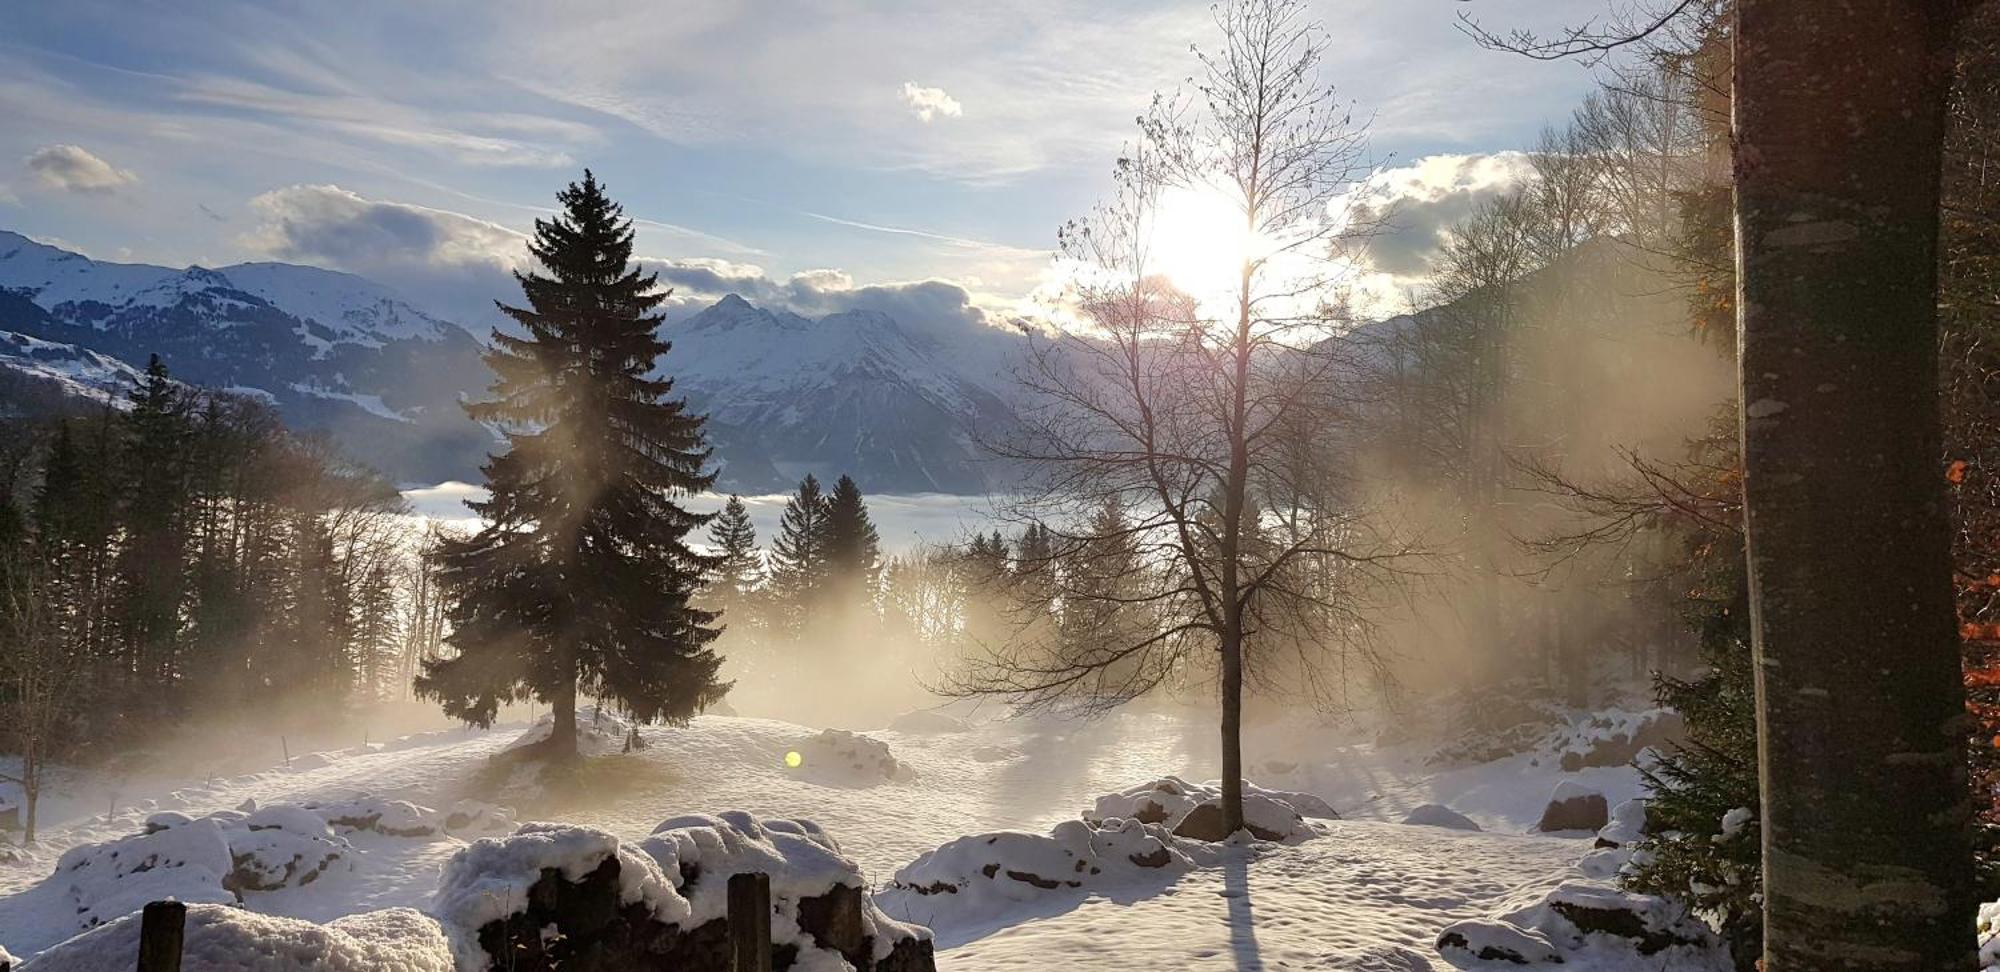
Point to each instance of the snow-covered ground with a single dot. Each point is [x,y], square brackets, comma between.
[1368,893]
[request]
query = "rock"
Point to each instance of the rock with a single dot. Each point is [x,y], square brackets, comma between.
[1264,817]
[1619,743]
[1646,924]
[1439,815]
[1574,807]
[1491,940]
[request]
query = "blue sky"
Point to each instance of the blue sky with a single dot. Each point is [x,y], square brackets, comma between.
[813,153]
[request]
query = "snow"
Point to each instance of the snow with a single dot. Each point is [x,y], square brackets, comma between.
[1365,892]
[803,862]
[837,757]
[489,879]
[1439,815]
[224,939]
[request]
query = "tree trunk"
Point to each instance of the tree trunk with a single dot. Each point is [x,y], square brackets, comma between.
[562,721]
[1839,114]
[1232,734]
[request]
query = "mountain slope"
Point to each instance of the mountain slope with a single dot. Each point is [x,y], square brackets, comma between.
[897,406]
[858,392]
[333,351]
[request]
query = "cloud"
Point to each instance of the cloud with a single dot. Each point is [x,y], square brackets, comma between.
[456,265]
[928,103]
[1412,209]
[450,263]
[72,168]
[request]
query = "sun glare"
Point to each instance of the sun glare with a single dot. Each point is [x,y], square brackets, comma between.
[1199,241]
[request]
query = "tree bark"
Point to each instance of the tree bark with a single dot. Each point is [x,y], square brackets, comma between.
[1839,117]
[562,724]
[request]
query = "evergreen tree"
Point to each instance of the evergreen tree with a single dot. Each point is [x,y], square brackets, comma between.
[582,576]
[737,566]
[154,487]
[799,556]
[853,550]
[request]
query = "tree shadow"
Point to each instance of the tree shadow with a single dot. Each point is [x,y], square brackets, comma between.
[1242,917]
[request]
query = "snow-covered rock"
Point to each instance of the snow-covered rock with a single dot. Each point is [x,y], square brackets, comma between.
[1627,826]
[106,881]
[1615,737]
[1589,924]
[840,757]
[390,818]
[560,894]
[818,894]
[1265,817]
[1169,800]
[478,817]
[1573,806]
[1439,815]
[987,874]
[280,847]
[1489,940]
[226,939]
[214,859]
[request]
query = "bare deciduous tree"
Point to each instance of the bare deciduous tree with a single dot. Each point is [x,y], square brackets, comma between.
[1189,413]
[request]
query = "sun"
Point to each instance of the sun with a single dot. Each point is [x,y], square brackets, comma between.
[1199,241]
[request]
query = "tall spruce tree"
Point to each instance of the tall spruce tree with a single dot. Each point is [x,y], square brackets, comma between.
[582,576]
[737,566]
[154,484]
[799,556]
[853,549]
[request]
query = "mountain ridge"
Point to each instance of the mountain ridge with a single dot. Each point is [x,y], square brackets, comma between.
[858,392]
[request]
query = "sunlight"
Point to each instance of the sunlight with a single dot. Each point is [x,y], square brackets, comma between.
[1199,241]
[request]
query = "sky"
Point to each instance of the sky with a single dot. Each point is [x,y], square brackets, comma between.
[913,157]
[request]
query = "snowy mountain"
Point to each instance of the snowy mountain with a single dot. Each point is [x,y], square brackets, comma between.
[897,406]
[333,351]
[859,392]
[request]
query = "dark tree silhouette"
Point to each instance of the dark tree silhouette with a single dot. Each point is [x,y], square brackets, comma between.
[582,576]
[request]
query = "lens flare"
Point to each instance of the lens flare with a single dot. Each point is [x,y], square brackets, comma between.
[794,760]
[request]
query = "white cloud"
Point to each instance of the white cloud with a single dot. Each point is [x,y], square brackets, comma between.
[72,168]
[1412,209]
[928,103]
[457,265]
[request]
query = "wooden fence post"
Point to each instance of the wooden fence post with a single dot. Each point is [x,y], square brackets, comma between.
[161,926]
[750,921]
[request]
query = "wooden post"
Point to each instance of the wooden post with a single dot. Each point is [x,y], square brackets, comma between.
[161,926]
[750,921]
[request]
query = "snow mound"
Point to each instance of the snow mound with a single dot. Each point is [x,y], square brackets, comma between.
[1627,826]
[488,880]
[109,880]
[1488,940]
[598,733]
[478,817]
[1439,815]
[390,818]
[987,874]
[701,852]
[1177,804]
[563,895]
[226,939]
[1595,925]
[844,758]
[1265,817]
[925,722]
[280,847]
